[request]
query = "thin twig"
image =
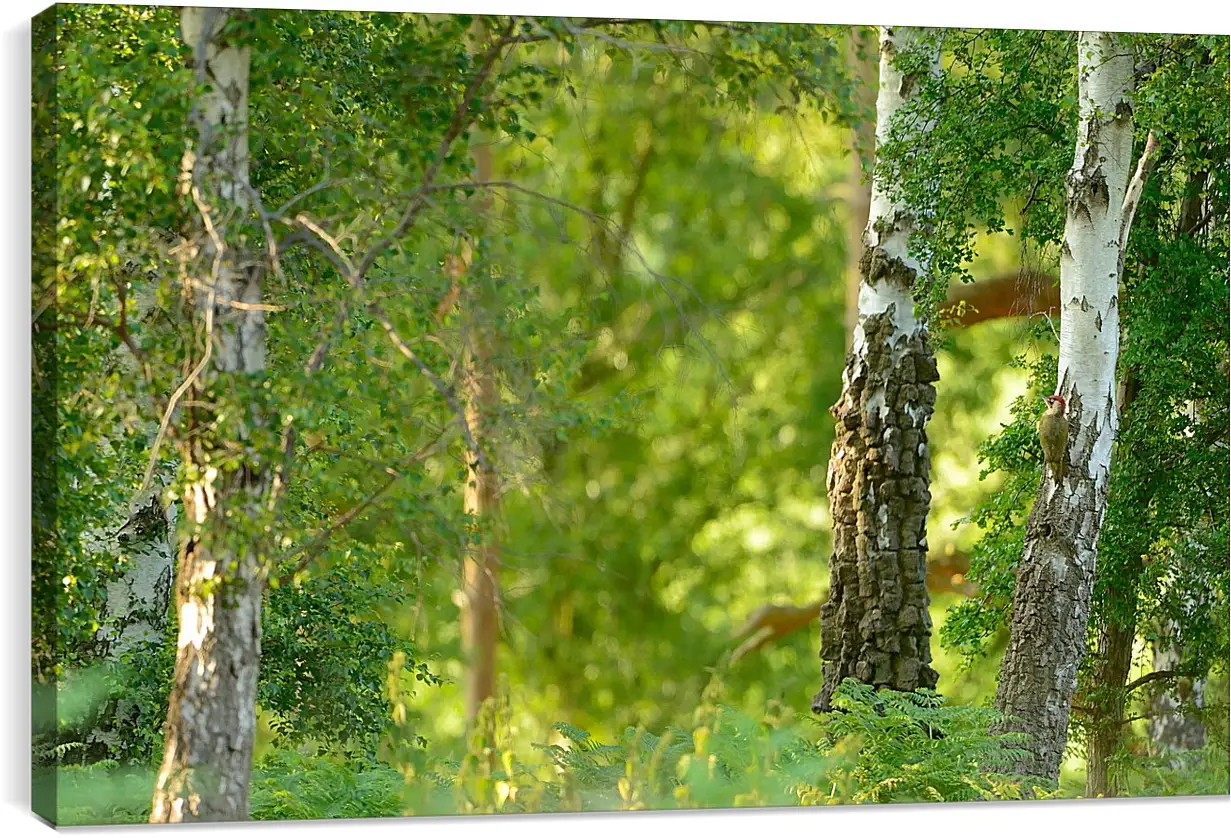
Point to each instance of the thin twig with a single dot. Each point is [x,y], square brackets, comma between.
[219,250]
[317,545]
[443,388]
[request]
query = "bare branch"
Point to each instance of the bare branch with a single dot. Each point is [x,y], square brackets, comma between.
[769,622]
[1159,675]
[320,233]
[1132,197]
[1013,294]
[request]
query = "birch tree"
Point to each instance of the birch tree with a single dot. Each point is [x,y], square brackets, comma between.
[211,717]
[875,625]
[1051,601]
[137,605]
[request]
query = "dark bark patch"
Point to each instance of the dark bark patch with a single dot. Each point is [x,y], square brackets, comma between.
[875,625]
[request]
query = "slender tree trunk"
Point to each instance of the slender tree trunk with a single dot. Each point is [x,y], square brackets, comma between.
[875,625]
[1106,695]
[211,718]
[1051,602]
[481,563]
[1115,659]
[481,497]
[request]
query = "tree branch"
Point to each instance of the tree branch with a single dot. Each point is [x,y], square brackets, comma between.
[1016,294]
[1132,196]
[769,622]
[1153,676]
[356,274]
[461,119]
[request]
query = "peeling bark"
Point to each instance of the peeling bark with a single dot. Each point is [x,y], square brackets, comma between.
[875,625]
[211,717]
[1051,601]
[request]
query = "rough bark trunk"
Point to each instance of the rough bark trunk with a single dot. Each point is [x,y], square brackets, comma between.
[875,625]
[1051,601]
[211,718]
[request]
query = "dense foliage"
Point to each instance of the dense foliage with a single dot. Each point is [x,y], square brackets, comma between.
[656,267]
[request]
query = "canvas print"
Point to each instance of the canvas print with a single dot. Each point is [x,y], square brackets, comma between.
[445,414]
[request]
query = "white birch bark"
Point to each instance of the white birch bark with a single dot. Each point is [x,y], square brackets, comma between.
[140,597]
[875,625]
[211,717]
[1051,603]
[1174,728]
[138,603]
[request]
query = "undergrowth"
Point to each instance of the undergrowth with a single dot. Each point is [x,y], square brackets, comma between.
[878,747]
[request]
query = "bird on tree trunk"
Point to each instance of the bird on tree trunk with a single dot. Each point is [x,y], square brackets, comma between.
[1054,435]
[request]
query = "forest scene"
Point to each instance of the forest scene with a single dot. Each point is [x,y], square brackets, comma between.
[443,414]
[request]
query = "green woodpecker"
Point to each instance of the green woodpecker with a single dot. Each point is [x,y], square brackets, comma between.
[1054,434]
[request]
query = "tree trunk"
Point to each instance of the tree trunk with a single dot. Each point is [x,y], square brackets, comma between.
[139,599]
[863,158]
[211,718]
[875,625]
[1106,694]
[1051,601]
[481,563]
[480,614]
[136,612]
[1115,659]
[1171,729]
